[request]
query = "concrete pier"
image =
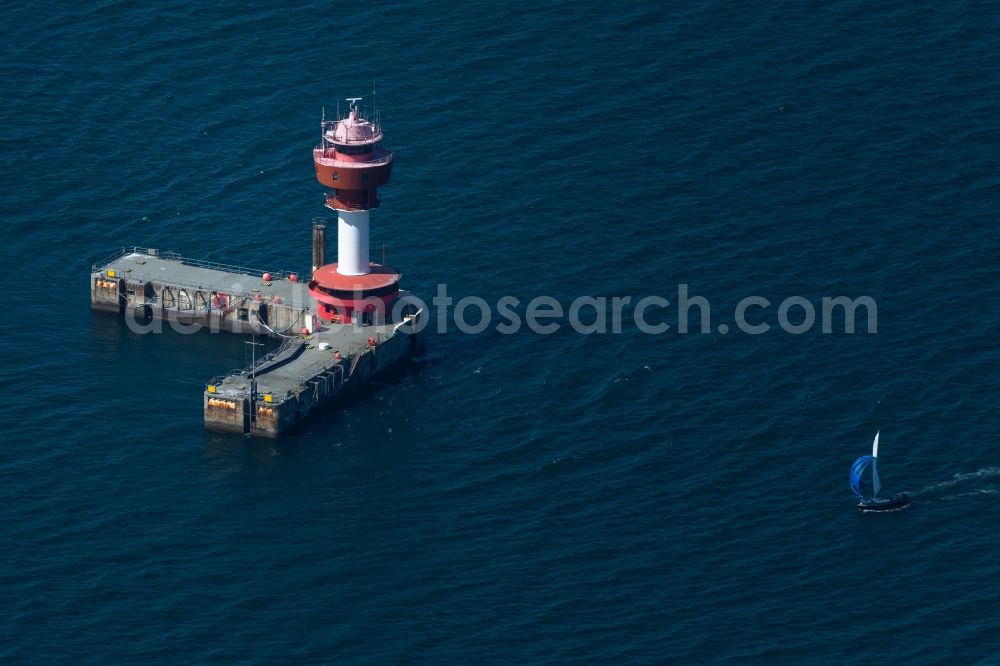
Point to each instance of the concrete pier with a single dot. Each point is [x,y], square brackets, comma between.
[283,388]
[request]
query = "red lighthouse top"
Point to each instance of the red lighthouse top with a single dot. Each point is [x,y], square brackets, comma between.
[352,131]
[349,160]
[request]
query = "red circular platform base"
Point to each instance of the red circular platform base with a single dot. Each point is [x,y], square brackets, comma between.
[339,295]
[380,277]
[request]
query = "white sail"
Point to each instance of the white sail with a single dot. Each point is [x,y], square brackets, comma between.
[876,486]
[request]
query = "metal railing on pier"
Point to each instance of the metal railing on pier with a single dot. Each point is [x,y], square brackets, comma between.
[196,263]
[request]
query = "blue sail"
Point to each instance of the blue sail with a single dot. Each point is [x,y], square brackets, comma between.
[857,469]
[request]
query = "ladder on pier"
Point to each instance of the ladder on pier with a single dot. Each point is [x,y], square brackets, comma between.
[355,362]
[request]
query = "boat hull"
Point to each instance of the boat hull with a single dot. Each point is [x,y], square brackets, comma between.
[893,503]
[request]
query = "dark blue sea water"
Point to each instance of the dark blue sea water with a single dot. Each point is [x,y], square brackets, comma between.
[617,498]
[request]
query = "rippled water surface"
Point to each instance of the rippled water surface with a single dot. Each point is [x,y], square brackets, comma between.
[513,498]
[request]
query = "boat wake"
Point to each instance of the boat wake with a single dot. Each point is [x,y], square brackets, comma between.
[980,478]
[982,491]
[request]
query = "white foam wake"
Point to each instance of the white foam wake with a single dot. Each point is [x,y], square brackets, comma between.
[981,474]
[981,491]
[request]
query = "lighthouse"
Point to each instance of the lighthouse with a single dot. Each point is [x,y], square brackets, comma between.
[351,163]
[281,389]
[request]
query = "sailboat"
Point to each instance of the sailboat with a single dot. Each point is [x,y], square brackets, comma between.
[873,503]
